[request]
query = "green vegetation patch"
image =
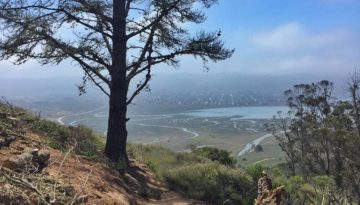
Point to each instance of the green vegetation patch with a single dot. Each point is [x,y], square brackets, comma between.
[196,176]
[222,156]
[211,182]
[83,139]
[160,159]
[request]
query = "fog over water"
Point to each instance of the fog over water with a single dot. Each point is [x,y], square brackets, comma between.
[169,92]
[249,112]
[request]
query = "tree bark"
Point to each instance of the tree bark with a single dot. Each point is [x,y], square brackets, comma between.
[115,148]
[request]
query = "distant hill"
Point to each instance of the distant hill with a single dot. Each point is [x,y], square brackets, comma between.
[168,92]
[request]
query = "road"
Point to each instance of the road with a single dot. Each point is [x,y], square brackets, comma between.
[248,148]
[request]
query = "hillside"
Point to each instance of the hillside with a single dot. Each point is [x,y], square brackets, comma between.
[43,163]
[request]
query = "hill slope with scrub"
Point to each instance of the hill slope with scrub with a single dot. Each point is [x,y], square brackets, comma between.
[42,162]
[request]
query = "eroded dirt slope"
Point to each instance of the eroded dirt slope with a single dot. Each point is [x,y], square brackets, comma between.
[66,178]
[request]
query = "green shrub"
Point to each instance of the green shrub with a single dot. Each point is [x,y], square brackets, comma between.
[160,159]
[58,136]
[195,176]
[86,142]
[6,106]
[254,170]
[211,182]
[214,154]
[313,190]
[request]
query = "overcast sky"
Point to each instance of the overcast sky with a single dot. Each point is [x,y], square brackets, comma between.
[270,37]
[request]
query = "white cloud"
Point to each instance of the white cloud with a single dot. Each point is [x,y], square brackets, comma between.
[294,48]
[294,37]
[282,37]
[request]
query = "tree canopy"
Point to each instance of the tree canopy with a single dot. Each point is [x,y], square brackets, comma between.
[53,31]
[321,137]
[111,41]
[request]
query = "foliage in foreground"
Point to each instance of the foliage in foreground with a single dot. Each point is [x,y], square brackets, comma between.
[312,190]
[195,176]
[61,137]
[320,138]
[83,139]
[211,182]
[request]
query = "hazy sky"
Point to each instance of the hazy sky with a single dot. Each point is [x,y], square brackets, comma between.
[270,37]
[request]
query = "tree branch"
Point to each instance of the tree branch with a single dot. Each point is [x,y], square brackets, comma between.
[141,86]
[96,83]
[156,20]
[65,12]
[147,48]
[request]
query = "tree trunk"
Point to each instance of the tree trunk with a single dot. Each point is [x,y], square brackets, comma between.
[115,148]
